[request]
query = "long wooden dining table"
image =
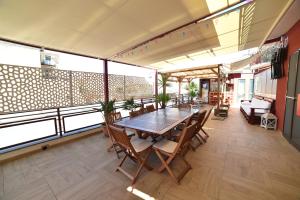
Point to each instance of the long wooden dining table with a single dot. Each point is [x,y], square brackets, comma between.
[157,122]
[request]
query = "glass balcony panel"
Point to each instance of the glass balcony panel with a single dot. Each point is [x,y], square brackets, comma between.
[84,120]
[26,132]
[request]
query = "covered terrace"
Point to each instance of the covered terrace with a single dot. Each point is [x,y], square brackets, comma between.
[160,99]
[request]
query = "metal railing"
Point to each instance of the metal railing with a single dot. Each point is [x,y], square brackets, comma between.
[63,119]
[9,123]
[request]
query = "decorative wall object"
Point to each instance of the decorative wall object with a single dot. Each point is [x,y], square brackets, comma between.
[87,88]
[116,87]
[26,88]
[124,87]
[31,88]
[137,87]
[264,85]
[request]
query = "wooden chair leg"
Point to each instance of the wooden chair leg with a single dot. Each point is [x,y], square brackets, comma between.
[185,171]
[113,146]
[204,132]
[185,161]
[142,135]
[121,163]
[192,147]
[142,164]
[168,161]
[202,139]
[166,166]
[146,158]
[199,142]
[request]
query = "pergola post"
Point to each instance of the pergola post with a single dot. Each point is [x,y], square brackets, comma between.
[218,106]
[156,88]
[179,80]
[179,88]
[189,82]
[105,80]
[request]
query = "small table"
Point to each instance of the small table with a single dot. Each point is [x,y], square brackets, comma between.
[268,121]
[223,110]
[157,122]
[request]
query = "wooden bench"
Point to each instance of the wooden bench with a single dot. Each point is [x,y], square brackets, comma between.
[253,109]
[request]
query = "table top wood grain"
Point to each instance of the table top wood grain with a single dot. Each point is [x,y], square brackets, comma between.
[157,122]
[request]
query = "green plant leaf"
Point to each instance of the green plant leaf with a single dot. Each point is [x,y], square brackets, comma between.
[129,104]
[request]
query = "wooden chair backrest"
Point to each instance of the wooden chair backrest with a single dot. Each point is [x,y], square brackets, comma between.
[184,106]
[142,110]
[186,135]
[119,135]
[189,121]
[199,120]
[150,108]
[117,115]
[134,113]
[110,119]
[206,117]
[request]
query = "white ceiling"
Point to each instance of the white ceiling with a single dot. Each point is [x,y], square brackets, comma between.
[287,21]
[105,28]
[93,27]
[242,29]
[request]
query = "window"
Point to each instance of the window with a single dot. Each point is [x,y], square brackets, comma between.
[241,89]
[251,88]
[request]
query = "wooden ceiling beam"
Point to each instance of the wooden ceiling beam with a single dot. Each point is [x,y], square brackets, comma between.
[194,69]
[192,75]
[176,81]
[206,77]
[214,71]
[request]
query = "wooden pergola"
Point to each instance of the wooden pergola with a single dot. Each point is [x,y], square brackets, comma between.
[187,75]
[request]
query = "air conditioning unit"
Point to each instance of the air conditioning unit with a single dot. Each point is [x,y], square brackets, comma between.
[48,64]
[49,60]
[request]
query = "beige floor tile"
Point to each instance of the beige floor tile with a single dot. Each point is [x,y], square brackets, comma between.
[238,161]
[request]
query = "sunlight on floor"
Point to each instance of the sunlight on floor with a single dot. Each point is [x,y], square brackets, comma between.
[139,193]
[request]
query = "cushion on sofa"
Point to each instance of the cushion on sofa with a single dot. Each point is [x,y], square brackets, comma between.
[263,106]
[258,103]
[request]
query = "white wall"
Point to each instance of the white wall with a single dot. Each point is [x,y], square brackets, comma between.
[264,85]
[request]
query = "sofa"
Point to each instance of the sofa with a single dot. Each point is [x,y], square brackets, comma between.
[254,108]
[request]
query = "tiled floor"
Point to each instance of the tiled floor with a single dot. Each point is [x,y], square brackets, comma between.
[239,161]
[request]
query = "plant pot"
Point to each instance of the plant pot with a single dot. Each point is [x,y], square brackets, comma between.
[104,129]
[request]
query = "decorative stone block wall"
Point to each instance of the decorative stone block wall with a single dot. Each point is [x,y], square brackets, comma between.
[31,88]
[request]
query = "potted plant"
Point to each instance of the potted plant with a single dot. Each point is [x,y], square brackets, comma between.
[192,94]
[163,99]
[129,104]
[193,90]
[106,109]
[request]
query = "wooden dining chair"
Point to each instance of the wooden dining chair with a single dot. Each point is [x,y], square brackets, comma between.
[112,144]
[118,116]
[184,106]
[199,122]
[137,150]
[112,117]
[142,110]
[204,121]
[178,129]
[134,113]
[150,108]
[172,149]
